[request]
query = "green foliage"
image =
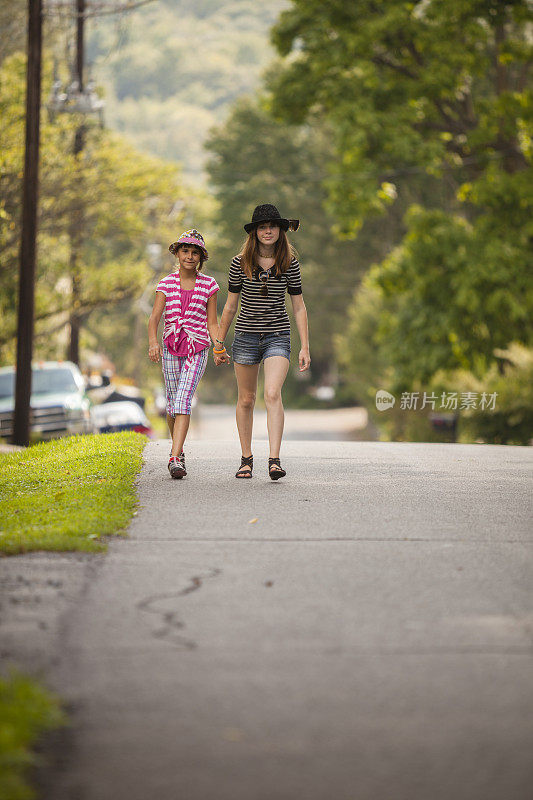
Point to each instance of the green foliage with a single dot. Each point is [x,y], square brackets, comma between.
[362,365]
[453,293]
[105,204]
[254,160]
[68,493]
[506,419]
[435,90]
[511,422]
[405,124]
[27,710]
[435,87]
[372,356]
[171,70]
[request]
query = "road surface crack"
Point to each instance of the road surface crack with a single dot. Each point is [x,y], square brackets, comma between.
[170,622]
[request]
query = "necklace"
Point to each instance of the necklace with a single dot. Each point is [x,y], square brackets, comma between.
[263,275]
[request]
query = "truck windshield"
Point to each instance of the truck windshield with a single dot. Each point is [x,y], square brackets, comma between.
[43,381]
[7,384]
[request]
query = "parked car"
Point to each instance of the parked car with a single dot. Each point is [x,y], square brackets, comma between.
[109,392]
[124,415]
[59,405]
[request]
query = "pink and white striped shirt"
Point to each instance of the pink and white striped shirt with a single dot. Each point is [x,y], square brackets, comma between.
[194,320]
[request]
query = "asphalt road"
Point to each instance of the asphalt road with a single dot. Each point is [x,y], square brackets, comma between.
[214,422]
[362,630]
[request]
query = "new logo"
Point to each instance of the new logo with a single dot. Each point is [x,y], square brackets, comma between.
[384,400]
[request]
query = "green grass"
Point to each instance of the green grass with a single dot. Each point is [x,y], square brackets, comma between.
[68,493]
[27,710]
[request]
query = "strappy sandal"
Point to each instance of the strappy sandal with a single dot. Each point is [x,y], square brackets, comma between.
[176,466]
[275,474]
[246,461]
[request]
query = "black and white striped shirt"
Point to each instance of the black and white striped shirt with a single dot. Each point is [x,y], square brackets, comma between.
[260,314]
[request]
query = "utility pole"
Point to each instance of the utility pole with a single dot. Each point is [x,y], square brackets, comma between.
[77,214]
[30,192]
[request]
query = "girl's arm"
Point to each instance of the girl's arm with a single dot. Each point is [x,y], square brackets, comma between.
[230,309]
[154,348]
[300,316]
[212,322]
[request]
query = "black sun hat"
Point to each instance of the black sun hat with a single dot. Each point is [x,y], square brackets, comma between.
[269,213]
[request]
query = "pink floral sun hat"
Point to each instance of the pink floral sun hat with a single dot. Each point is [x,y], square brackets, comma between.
[190,237]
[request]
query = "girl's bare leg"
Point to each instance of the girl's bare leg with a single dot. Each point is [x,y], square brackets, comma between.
[276,369]
[170,423]
[179,432]
[246,375]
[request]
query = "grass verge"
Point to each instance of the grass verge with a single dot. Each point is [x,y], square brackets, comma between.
[27,710]
[68,493]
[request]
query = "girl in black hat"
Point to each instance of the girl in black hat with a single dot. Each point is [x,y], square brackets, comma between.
[262,274]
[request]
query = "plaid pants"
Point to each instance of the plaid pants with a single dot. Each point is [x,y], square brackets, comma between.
[180,384]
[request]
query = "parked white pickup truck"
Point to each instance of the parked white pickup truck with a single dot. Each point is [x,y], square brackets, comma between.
[59,405]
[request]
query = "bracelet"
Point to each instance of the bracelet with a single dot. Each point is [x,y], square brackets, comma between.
[218,352]
[218,340]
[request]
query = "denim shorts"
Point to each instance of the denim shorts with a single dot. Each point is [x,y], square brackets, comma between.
[252,348]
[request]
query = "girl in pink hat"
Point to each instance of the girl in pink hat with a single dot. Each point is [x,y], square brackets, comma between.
[188,299]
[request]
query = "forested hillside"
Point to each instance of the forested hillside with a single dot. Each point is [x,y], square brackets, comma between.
[171,69]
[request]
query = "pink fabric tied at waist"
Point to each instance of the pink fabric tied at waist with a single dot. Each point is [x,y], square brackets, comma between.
[187,315]
[192,336]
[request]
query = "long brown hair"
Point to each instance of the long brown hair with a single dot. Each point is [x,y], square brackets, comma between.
[283,253]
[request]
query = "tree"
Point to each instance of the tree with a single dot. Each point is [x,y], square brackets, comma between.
[126,196]
[430,88]
[164,95]
[254,160]
[435,86]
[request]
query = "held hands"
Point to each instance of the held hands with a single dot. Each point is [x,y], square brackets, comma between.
[154,351]
[221,358]
[304,359]
[220,354]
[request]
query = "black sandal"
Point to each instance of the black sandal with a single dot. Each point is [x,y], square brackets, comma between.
[277,473]
[246,461]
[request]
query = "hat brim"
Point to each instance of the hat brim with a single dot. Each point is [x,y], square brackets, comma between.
[186,241]
[281,222]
